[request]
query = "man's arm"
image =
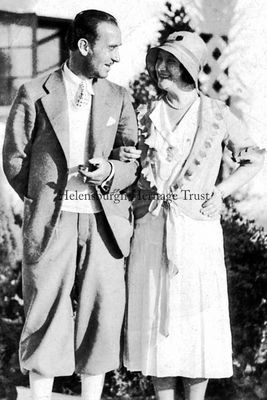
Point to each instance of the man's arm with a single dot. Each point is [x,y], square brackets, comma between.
[125,172]
[17,143]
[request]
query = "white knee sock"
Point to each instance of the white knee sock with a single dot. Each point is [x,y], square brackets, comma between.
[41,386]
[92,386]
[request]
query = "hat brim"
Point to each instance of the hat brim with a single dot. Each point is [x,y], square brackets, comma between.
[179,53]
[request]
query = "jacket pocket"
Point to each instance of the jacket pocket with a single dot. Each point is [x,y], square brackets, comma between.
[37,230]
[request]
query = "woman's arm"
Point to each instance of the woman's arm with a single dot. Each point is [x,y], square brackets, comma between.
[131,153]
[124,153]
[242,175]
[246,153]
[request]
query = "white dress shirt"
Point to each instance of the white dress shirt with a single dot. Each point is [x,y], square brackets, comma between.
[79,196]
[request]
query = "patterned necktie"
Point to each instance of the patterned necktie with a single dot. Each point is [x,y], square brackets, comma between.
[82,96]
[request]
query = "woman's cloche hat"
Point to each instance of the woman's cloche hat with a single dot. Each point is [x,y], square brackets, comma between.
[189,49]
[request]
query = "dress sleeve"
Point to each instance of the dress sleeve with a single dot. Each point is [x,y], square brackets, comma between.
[242,147]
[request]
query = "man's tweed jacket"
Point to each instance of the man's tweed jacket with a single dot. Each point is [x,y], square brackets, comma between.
[36,154]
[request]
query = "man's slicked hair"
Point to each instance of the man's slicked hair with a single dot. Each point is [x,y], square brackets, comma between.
[85,25]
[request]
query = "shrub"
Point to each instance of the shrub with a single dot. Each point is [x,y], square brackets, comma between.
[11,312]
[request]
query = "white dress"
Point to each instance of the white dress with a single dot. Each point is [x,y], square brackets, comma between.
[195,341]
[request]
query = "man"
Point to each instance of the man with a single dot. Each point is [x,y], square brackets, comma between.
[60,133]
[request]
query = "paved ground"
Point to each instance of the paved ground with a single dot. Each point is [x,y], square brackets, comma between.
[24,394]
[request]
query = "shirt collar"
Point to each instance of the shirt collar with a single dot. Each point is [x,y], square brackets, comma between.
[75,80]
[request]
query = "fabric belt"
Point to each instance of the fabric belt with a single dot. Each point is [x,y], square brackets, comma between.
[172,245]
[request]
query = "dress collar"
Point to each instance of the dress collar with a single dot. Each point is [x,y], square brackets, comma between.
[159,116]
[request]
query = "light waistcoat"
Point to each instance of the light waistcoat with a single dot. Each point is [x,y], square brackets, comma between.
[78,196]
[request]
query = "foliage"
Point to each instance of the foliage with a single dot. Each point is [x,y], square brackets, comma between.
[10,300]
[122,383]
[174,20]
[143,89]
[246,260]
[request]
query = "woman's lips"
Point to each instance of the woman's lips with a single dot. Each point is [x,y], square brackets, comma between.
[161,76]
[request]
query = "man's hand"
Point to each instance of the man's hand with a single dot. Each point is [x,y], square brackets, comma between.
[101,172]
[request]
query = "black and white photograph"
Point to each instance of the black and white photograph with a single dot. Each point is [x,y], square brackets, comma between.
[133,199]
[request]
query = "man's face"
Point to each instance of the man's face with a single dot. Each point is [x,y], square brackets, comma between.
[105,51]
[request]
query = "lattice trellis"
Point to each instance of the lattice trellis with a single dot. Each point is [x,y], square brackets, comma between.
[214,77]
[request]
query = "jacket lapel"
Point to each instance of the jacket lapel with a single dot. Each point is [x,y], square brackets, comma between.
[56,108]
[100,110]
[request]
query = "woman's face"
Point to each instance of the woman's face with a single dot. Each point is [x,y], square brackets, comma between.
[168,71]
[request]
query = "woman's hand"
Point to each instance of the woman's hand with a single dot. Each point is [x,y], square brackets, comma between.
[213,206]
[126,153]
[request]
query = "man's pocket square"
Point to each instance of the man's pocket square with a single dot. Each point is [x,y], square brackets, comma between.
[111,121]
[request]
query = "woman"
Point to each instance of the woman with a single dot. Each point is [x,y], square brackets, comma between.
[178,322]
